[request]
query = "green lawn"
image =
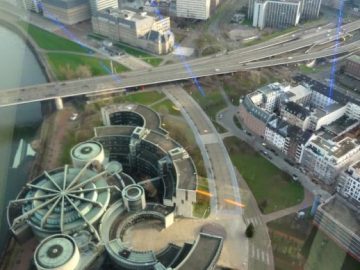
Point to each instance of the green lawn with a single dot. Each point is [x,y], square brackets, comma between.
[145,56]
[49,41]
[65,65]
[144,98]
[202,207]
[237,122]
[267,37]
[273,189]
[211,103]
[308,70]
[166,107]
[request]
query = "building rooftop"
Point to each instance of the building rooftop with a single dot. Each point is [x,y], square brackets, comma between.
[203,254]
[256,111]
[279,125]
[298,92]
[335,149]
[324,89]
[297,110]
[343,213]
[354,58]
[356,167]
[66,3]
[128,14]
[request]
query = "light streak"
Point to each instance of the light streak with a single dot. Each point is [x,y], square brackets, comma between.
[229,201]
[337,42]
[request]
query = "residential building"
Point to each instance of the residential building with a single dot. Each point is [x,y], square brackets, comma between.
[276,133]
[253,117]
[138,29]
[326,158]
[67,11]
[193,9]
[352,66]
[350,180]
[296,115]
[97,5]
[322,97]
[310,9]
[321,117]
[257,108]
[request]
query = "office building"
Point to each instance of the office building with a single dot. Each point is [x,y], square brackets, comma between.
[310,9]
[67,11]
[138,29]
[282,14]
[276,14]
[97,5]
[193,9]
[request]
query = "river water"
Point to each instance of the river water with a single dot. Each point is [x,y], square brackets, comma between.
[18,67]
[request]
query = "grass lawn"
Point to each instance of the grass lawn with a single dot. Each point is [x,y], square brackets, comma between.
[145,56]
[211,103]
[202,206]
[308,70]
[166,107]
[237,122]
[273,189]
[97,66]
[145,98]
[267,37]
[49,41]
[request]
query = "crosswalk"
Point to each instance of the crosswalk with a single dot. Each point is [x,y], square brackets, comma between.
[254,220]
[259,254]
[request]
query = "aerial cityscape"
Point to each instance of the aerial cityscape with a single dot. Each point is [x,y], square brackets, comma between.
[180,134]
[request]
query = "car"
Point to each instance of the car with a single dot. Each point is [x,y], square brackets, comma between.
[217,69]
[74,116]
[248,133]
[263,144]
[295,177]
[290,57]
[221,116]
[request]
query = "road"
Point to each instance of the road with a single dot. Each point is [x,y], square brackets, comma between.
[222,178]
[236,60]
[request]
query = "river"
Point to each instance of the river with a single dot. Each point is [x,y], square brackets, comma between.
[18,67]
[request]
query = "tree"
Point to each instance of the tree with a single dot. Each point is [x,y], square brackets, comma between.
[250,230]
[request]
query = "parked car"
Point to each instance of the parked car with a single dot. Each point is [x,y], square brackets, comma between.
[295,177]
[74,116]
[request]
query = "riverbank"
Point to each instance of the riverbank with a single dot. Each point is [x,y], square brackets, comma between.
[41,59]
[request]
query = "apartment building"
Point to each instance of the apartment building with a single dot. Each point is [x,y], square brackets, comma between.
[326,158]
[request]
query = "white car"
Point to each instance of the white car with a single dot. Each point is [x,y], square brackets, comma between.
[74,116]
[217,69]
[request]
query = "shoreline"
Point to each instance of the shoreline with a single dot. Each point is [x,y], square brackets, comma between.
[31,45]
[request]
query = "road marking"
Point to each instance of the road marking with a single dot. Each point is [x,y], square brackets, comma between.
[267,259]
[258,254]
[262,256]
[252,251]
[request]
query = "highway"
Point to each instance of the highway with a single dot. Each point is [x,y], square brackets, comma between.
[237,60]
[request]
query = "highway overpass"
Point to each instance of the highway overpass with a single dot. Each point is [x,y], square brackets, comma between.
[237,60]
